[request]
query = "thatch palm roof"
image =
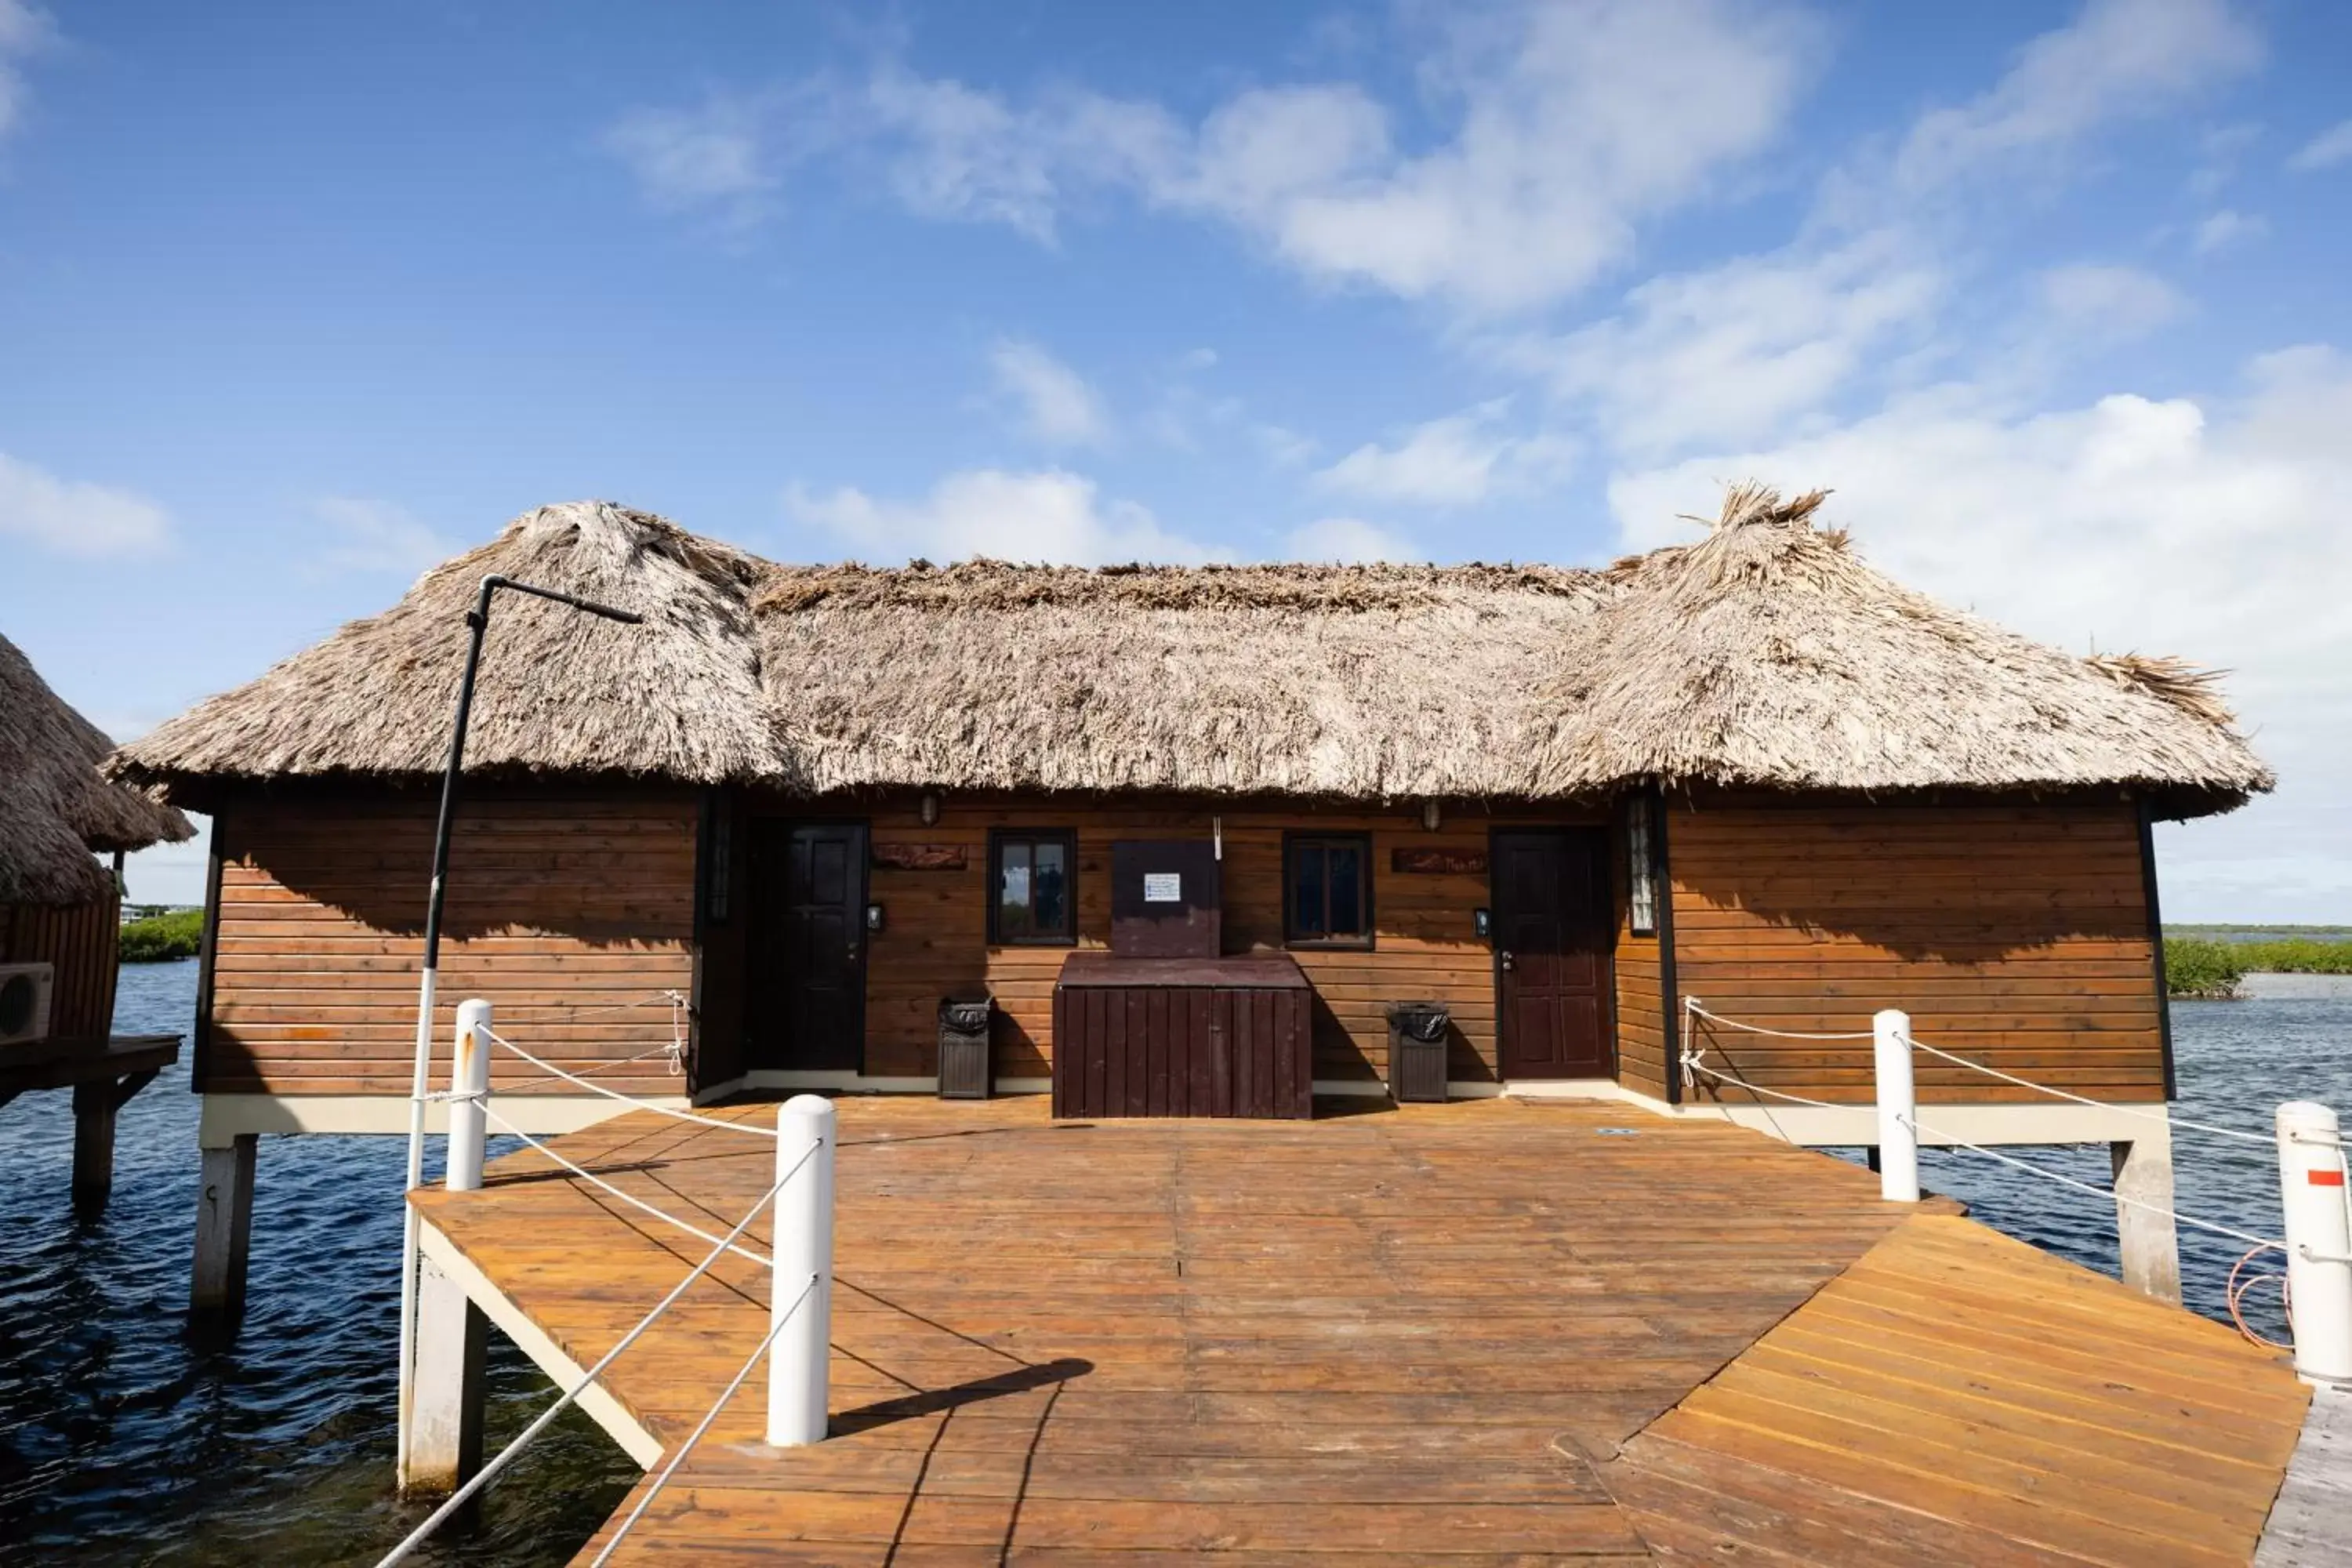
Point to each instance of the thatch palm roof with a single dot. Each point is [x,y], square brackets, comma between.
[55,807]
[1765,655]
[1769,654]
[559,691]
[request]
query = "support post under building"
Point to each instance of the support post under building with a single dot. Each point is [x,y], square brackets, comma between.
[2149,1242]
[223,1228]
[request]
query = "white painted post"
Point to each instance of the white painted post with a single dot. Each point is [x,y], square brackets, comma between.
[1898,1108]
[470,1075]
[798,1361]
[2318,1239]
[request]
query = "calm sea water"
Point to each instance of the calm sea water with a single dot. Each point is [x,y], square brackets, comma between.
[122,1441]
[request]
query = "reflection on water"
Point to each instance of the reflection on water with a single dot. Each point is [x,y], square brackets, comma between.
[120,1442]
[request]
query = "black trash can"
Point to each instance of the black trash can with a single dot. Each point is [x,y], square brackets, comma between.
[964,1067]
[1417,1051]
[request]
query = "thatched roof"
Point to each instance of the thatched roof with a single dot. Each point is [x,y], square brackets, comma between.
[54,808]
[1766,654]
[1769,654]
[558,691]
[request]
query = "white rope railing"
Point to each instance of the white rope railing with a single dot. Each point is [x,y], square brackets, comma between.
[677,1458]
[1691,1060]
[1691,1004]
[630,1198]
[508,1455]
[1932,1135]
[671,1111]
[2266,1140]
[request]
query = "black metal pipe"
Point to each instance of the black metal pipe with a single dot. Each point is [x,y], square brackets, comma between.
[478,622]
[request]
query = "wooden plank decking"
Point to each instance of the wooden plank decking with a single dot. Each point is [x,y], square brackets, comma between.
[1434,1334]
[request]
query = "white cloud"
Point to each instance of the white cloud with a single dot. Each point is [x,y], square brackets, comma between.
[1054,403]
[2325,151]
[1046,516]
[2109,302]
[1732,352]
[377,536]
[2212,529]
[1349,541]
[1568,121]
[711,156]
[1576,121]
[2226,229]
[1759,347]
[73,517]
[1453,461]
[2119,59]
[25,30]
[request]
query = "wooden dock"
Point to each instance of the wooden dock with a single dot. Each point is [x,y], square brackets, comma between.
[1480,1333]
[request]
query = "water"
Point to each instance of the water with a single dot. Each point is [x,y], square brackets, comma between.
[123,1442]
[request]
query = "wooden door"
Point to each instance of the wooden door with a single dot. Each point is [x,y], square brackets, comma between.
[1553,934]
[807,979]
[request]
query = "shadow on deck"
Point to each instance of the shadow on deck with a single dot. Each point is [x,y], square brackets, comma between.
[1477,1333]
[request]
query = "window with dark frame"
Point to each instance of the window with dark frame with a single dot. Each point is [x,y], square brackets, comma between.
[1033,883]
[1642,863]
[1326,897]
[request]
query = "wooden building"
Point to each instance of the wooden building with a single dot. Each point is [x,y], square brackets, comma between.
[782,819]
[60,913]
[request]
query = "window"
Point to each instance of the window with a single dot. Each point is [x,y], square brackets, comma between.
[1642,863]
[1326,882]
[1033,881]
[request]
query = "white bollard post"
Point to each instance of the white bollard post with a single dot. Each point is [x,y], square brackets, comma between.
[1898,1108]
[799,1360]
[2318,1240]
[469,1074]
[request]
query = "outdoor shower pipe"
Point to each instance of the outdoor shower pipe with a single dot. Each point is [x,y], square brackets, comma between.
[477,621]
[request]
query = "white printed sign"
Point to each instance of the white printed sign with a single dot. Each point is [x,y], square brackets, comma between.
[1162,887]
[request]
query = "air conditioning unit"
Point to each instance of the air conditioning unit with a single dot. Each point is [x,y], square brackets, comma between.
[25,1003]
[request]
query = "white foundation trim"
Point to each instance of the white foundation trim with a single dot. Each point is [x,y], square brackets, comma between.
[1366,1087]
[226,1116]
[1563,1088]
[532,1341]
[1854,1126]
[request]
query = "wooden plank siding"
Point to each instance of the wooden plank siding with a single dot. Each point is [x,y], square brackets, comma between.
[570,911]
[81,943]
[2017,934]
[934,941]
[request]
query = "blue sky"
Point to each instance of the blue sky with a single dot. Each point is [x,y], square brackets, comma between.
[295,300]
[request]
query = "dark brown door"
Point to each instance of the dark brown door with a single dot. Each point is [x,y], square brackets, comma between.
[808,946]
[1553,934]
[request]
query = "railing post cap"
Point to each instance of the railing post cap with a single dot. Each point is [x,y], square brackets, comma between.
[1890,1017]
[806,1105]
[2304,1112]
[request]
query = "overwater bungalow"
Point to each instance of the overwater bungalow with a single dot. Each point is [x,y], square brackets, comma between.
[60,909]
[1183,840]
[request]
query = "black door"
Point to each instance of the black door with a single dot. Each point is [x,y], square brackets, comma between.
[1553,935]
[808,946]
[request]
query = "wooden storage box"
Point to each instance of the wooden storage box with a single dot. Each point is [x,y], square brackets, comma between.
[1179,1036]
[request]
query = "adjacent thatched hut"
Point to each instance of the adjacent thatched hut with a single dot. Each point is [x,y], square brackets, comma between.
[59,905]
[813,801]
